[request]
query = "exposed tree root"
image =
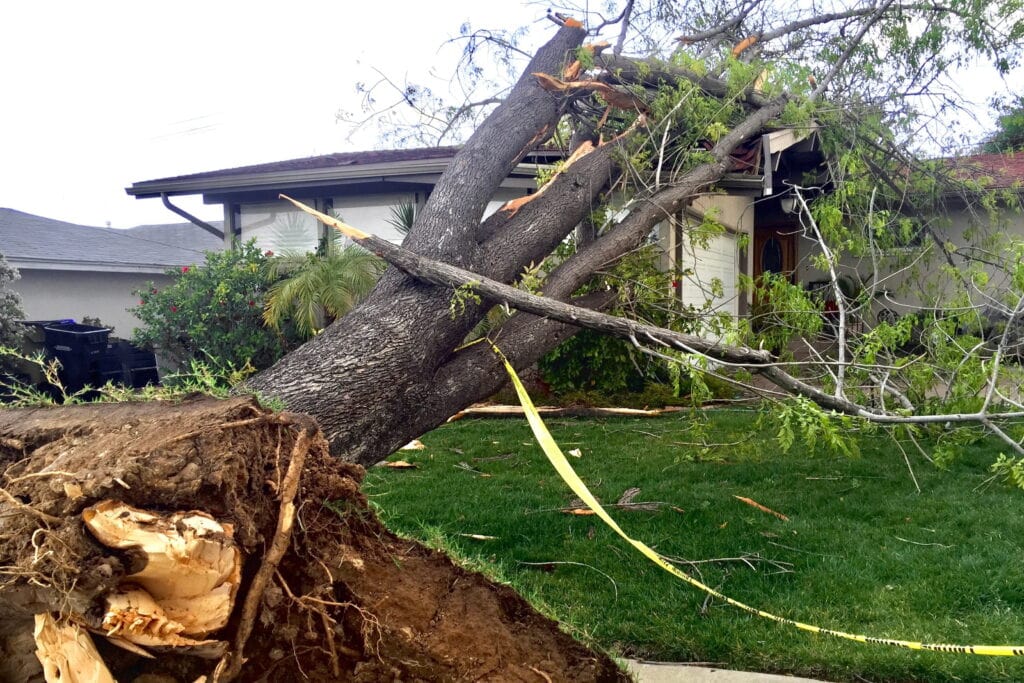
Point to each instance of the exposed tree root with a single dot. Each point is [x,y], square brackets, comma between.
[325,592]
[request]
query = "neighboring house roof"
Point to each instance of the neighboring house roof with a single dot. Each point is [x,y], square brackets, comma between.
[413,166]
[35,242]
[177,234]
[999,171]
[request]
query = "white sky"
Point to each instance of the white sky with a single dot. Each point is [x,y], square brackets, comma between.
[99,95]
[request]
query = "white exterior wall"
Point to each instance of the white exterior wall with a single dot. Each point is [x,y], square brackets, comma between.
[924,283]
[55,294]
[282,229]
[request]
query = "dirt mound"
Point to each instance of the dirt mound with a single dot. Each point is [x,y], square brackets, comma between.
[347,600]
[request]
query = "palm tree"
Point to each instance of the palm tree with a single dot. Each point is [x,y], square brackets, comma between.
[312,290]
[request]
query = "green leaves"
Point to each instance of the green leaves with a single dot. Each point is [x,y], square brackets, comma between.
[213,312]
[316,289]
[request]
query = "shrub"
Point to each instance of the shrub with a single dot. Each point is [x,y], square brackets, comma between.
[213,313]
[595,362]
[11,332]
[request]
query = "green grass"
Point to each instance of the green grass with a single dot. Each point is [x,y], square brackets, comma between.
[868,553]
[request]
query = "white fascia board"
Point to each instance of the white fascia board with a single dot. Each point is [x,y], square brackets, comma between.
[92,266]
[394,171]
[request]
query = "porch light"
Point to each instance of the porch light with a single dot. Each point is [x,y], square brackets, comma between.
[788,204]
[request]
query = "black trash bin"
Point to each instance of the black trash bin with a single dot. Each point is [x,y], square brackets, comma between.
[81,350]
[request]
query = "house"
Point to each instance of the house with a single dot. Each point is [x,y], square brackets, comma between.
[363,188]
[360,187]
[760,230]
[76,271]
[904,281]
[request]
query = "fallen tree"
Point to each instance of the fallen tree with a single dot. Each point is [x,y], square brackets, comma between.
[643,139]
[217,539]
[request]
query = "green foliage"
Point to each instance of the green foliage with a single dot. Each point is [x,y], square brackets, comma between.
[18,391]
[800,418]
[462,297]
[402,216]
[783,311]
[1009,134]
[11,332]
[1009,469]
[312,290]
[198,378]
[213,313]
[590,361]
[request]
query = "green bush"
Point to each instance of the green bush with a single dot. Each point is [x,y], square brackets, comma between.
[11,332]
[10,306]
[594,362]
[213,313]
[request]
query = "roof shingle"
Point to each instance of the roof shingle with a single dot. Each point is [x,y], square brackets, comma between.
[29,239]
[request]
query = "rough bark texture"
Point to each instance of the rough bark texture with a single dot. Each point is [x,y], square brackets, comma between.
[389,370]
[388,609]
[366,377]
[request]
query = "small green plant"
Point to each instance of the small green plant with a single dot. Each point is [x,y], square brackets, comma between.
[18,391]
[463,296]
[11,332]
[310,291]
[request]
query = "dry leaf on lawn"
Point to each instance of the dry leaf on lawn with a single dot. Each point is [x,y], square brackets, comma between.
[401,465]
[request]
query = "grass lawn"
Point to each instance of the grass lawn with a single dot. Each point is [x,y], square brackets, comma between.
[862,552]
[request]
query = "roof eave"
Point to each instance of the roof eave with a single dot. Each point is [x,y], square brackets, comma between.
[393,171]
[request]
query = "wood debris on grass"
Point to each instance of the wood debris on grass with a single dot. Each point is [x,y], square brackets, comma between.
[762,508]
[400,465]
[625,502]
[555,411]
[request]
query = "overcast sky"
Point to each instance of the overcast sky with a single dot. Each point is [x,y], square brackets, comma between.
[99,95]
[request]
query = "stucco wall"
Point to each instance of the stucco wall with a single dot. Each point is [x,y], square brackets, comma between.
[912,283]
[52,294]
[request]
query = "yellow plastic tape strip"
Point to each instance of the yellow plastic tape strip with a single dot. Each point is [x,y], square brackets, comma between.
[562,466]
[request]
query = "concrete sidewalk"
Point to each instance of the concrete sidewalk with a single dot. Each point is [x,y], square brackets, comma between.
[669,672]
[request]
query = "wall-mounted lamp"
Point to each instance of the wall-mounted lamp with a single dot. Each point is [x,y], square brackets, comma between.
[788,204]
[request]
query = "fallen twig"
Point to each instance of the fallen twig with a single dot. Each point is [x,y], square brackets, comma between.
[940,545]
[762,508]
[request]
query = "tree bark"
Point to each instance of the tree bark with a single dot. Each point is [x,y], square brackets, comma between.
[388,371]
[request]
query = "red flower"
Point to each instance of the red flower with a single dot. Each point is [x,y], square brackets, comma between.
[268,253]
[154,290]
[675,284]
[251,302]
[174,309]
[142,302]
[184,269]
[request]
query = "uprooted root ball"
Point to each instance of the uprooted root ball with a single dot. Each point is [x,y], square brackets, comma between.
[324,592]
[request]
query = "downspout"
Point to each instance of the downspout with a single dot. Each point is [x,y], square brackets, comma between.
[190,218]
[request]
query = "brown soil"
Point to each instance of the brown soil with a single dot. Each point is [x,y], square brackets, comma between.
[350,600]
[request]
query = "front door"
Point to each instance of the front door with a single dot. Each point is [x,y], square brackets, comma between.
[774,251]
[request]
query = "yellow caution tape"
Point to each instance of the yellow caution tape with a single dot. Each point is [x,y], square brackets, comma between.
[562,466]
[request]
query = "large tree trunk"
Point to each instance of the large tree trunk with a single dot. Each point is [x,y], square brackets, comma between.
[389,370]
[330,596]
